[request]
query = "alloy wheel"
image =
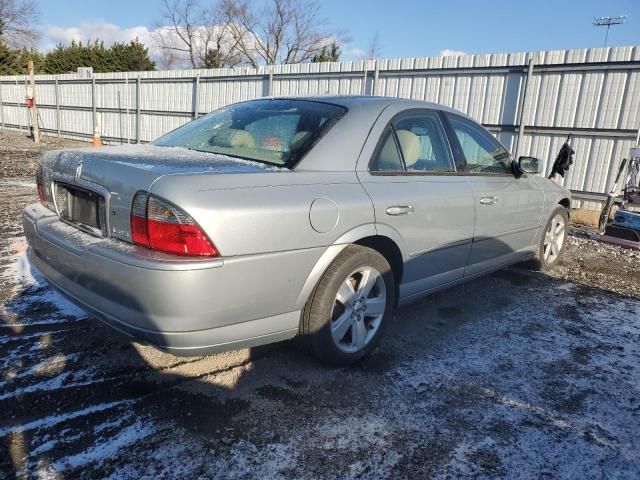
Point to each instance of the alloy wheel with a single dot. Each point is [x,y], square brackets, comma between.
[358,309]
[554,239]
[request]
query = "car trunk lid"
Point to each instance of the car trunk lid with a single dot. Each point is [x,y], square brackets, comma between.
[106,179]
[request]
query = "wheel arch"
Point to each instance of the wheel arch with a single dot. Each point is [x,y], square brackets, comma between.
[384,245]
[389,249]
[566,203]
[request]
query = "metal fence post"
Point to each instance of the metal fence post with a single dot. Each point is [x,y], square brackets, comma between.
[128,101]
[93,102]
[57,93]
[194,101]
[374,84]
[138,109]
[523,105]
[1,107]
[20,125]
[365,80]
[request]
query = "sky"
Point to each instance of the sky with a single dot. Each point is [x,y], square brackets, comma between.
[405,28]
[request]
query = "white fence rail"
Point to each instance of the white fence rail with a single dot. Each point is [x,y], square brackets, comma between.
[530,101]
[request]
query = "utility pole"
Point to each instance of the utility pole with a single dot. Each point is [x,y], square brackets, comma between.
[607,22]
[31,93]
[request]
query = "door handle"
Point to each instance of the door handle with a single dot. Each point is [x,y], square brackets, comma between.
[400,210]
[489,200]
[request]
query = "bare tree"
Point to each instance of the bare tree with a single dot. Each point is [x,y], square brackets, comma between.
[278,31]
[374,50]
[188,33]
[17,18]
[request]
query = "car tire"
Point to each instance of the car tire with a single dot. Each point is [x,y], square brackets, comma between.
[552,240]
[348,310]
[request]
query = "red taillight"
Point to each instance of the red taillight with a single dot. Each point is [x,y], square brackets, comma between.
[160,226]
[42,194]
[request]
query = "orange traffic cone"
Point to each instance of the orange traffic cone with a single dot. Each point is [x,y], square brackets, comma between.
[97,141]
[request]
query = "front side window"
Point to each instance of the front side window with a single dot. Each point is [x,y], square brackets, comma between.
[483,153]
[278,132]
[414,142]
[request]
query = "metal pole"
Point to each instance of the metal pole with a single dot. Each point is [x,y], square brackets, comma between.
[196,86]
[34,106]
[363,91]
[127,101]
[138,109]
[375,79]
[1,107]
[93,102]
[17,89]
[523,104]
[57,92]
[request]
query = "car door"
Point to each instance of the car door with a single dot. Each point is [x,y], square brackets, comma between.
[419,200]
[508,209]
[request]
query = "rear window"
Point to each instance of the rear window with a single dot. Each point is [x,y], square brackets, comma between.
[277,132]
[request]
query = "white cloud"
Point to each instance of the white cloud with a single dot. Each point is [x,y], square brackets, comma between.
[355,54]
[451,53]
[103,31]
[88,31]
[110,33]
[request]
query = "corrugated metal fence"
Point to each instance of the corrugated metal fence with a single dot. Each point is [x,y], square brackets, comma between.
[530,101]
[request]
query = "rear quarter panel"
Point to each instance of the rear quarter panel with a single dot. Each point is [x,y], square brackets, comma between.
[271,212]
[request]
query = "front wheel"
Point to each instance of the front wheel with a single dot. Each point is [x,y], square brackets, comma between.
[346,314]
[553,239]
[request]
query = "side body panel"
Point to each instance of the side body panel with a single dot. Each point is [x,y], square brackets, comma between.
[435,238]
[437,235]
[508,216]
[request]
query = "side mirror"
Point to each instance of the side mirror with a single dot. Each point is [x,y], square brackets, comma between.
[530,165]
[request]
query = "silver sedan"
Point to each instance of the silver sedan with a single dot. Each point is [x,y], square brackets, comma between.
[282,217]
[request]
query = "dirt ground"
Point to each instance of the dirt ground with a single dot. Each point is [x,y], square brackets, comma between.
[516,375]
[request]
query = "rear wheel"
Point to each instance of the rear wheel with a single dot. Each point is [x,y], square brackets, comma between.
[346,314]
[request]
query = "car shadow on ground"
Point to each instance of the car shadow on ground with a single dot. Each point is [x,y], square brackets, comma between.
[84,401]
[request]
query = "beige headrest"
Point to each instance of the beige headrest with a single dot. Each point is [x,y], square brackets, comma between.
[410,145]
[231,137]
[388,158]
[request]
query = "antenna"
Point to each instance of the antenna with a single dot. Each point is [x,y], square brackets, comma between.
[607,22]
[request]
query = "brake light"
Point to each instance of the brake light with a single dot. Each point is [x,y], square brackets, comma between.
[158,225]
[42,194]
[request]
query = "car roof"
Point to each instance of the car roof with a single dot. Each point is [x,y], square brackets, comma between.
[368,102]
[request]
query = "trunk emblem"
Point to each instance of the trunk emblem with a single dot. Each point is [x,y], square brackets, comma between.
[78,174]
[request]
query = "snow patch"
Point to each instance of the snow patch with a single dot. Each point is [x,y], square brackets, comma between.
[106,449]
[53,420]
[17,183]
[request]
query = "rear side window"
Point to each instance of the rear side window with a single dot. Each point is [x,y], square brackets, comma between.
[388,158]
[278,132]
[414,142]
[483,153]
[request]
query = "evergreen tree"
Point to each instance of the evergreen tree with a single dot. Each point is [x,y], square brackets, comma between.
[38,60]
[9,61]
[129,57]
[120,57]
[213,59]
[328,54]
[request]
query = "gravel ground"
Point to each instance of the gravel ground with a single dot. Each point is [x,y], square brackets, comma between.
[516,375]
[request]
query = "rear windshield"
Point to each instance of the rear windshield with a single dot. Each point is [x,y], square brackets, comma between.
[277,132]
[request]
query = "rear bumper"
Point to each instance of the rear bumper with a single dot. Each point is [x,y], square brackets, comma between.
[187,307]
